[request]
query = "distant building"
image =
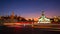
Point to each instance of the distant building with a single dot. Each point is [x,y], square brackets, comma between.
[59,17]
[56,19]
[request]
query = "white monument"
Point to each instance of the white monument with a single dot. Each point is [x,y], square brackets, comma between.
[43,19]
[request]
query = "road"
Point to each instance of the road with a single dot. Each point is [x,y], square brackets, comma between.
[48,27]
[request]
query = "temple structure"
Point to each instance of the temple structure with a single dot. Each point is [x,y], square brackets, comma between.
[43,19]
[12,15]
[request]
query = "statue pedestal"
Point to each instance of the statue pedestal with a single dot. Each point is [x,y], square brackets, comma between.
[43,19]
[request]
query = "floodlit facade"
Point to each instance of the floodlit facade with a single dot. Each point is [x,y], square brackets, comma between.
[43,19]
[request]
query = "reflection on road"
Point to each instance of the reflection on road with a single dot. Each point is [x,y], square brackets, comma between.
[49,27]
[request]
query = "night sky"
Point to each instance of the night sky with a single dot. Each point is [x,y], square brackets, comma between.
[30,8]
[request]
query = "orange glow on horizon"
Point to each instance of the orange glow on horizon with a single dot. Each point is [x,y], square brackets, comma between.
[32,18]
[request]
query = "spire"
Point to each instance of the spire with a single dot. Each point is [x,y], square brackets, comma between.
[42,13]
[12,13]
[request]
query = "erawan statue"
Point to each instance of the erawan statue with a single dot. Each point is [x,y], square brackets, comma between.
[43,19]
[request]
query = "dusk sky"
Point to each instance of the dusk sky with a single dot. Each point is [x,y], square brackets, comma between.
[30,8]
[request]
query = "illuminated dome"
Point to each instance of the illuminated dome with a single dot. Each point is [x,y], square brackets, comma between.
[43,19]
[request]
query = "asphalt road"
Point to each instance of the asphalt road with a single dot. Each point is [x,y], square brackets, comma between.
[27,30]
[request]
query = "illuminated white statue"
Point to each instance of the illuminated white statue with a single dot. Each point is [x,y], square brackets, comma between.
[43,19]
